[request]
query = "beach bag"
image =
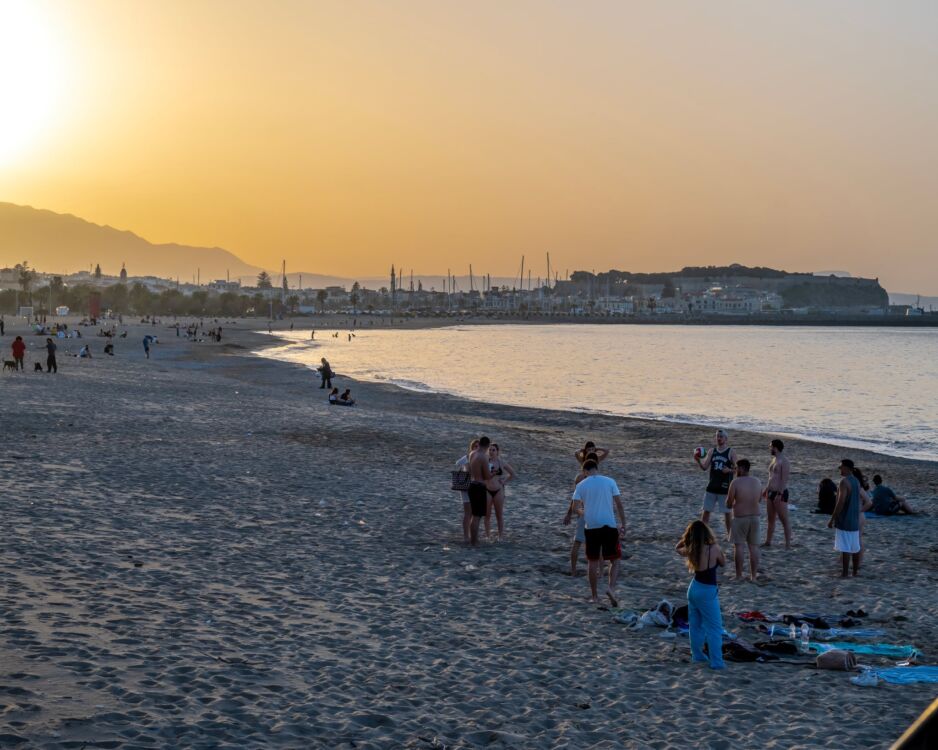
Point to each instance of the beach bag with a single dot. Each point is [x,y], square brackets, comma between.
[460,481]
[660,616]
[841,661]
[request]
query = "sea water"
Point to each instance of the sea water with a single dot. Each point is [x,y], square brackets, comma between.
[871,388]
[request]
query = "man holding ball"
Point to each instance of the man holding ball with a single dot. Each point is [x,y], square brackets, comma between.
[721,463]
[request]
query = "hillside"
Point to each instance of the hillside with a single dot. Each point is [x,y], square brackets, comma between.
[64,243]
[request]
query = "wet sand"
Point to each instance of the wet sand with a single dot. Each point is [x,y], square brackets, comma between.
[199,552]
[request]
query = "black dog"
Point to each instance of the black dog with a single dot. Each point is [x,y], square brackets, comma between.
[37,367]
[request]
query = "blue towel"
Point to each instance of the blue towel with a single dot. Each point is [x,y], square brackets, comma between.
[907,675]
[876,649]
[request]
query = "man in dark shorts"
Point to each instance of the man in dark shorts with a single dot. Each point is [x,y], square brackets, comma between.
[594,499]
[479,477]
[776,493]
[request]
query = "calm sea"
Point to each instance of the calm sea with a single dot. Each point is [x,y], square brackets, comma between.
[857,387]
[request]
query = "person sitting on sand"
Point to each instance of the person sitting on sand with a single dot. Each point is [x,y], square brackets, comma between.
[886,502]
[704,556]
[599,501]
[85,352]
[334,396]
[600,454]
[346,398]
[826,496]
[109,349]
[462,464]
[852,500]
[743,499]
[579,534]
[504,473]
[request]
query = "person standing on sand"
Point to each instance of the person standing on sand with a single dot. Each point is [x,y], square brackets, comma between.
[705,620]
[599,501]
[51,364]
[743,499]
[19,351]
[601,454]
[479,478]
[720,461]
[776,493]
[852,500]
[579,534]
[325,370]
[502,474]
[462,464]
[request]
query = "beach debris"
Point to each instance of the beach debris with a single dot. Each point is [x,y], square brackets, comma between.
[866,678]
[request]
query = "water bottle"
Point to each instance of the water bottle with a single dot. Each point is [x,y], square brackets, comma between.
[805,632]
[793,632]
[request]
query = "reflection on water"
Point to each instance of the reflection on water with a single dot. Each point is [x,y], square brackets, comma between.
[872,388]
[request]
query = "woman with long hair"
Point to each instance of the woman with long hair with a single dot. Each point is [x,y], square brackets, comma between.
[502,474]
[704,556]
[462,464]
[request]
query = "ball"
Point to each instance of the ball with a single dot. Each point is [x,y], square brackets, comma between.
[700,452]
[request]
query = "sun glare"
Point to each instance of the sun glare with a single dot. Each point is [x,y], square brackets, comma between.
[30,77]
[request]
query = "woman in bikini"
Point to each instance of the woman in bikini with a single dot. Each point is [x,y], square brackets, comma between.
[502,474]
[704,556]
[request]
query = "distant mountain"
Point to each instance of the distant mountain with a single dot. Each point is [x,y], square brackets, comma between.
[62,243]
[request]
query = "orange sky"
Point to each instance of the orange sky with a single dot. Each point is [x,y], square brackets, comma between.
[347,136]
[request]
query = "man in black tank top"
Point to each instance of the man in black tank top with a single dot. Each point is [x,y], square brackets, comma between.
[721,463]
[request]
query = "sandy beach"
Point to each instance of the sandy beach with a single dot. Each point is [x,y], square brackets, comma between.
[200,552]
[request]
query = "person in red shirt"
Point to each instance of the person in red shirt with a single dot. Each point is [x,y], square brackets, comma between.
[19,351]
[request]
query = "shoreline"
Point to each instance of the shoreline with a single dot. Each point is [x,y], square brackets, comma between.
[831,442]
[207,553]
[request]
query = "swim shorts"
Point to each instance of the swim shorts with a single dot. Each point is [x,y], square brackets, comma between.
[478,499]
[745,530]
[713,502]
[846,541]
[580,533]
[604,542]
[774,495]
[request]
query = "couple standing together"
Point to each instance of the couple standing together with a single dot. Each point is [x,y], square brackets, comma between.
[488,476]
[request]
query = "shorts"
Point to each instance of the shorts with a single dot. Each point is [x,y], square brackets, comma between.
[580,534]
[464,496]
[714,502]
[745,530]
[776,495]
[602,541]
[478,499]
[847,541]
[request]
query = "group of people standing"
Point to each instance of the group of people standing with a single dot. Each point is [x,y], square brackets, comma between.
[482,478]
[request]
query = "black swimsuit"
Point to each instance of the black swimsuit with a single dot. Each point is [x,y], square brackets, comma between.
[497,474]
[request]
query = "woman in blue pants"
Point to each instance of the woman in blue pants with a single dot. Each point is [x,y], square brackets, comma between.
[703,602]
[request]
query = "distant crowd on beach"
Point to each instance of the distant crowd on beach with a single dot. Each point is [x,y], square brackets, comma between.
[482,475]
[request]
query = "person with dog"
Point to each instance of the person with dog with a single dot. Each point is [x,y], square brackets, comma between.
[743,499]
[19,352]
[51,364]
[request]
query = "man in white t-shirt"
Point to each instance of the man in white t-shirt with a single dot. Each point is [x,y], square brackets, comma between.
[594,498]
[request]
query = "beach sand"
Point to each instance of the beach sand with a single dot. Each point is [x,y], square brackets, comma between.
[199,552]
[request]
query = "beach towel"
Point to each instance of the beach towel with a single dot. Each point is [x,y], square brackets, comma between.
[871,515]
[851,633]
[907,675]
[874,649]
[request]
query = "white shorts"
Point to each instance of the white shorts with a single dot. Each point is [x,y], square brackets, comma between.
[846,541]
[714,502]
[465,497]
[580,533]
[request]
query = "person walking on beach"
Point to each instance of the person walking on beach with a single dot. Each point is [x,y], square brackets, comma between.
[776,493]
[502,474]
[852,500]
[325,370]
[743,499]
[19,351]
[599,501]
[705,620]
[479,478]
[51,364]
[462,464]
[720,461]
